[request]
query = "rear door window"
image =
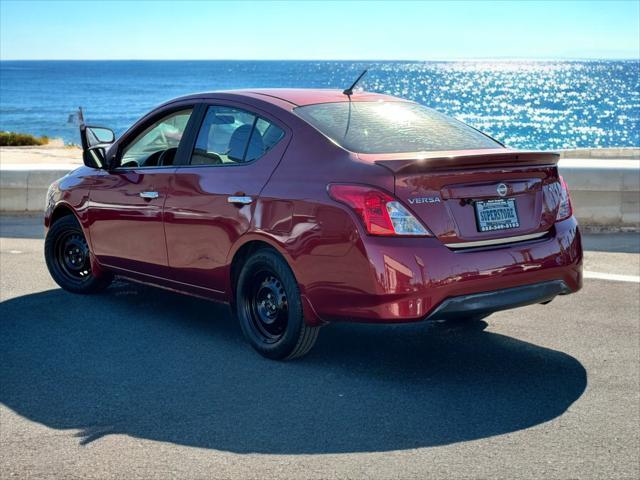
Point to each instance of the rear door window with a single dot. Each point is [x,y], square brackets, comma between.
[231,136]
[392,127]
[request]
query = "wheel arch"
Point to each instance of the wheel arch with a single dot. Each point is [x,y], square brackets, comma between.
[64,211]
[61,210]
[248,245]
[245,247]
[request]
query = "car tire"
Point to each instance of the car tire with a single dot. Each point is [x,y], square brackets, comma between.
[68,258]
[269,308]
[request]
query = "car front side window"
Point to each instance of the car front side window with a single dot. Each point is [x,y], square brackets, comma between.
[157,145]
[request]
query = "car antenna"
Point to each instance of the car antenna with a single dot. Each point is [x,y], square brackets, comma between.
[349,91]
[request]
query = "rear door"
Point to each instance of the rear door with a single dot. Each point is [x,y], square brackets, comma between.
[125,208]
[214,195]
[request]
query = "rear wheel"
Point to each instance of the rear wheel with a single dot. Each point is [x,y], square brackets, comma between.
[68,258]
[269,308]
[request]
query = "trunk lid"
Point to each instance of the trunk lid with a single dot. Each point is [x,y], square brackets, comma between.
[448,191]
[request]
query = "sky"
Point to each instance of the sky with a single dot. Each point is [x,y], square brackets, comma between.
[382,30]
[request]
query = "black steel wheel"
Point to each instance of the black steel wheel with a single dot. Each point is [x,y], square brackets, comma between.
[69,260]
[268,304]
[269,308]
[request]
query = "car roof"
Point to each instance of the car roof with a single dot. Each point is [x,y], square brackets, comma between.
[298,96]
[310,96]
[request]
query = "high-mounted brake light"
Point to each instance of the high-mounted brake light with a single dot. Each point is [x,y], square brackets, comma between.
[565,210]
[380,213]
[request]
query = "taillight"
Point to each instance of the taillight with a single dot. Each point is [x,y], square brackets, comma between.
[565,210]
[380,213]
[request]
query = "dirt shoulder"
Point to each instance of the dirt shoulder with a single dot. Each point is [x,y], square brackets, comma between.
[45,154]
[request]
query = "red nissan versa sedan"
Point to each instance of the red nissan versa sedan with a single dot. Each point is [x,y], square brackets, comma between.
[304,207]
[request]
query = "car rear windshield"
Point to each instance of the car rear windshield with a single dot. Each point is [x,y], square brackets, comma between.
[392,127]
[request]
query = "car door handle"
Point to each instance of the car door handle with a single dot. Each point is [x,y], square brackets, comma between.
[149,195]
[240,200]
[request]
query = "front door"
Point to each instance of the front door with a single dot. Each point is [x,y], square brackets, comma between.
[213,197]
[126,202]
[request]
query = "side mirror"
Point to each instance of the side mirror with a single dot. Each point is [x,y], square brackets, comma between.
[95,141]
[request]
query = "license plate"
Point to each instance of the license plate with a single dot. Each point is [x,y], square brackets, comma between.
[499,214]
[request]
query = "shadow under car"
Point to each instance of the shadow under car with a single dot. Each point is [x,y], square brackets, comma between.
[161,366]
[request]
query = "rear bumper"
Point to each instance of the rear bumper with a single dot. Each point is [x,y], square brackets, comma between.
[485,303]
[394,280]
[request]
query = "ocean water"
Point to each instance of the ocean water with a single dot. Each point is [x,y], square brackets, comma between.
[525,104]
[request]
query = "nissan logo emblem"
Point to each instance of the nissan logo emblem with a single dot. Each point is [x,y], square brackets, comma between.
[502,189]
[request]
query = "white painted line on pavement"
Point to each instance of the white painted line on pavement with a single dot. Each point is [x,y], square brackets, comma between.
[613,277]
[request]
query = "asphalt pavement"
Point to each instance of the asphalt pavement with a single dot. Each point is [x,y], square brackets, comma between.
[143,383]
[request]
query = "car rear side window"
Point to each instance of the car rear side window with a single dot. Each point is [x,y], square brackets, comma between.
[230,136]
[392,127]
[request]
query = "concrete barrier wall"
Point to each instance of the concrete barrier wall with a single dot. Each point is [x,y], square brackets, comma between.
[609,153]
[605,193]
[25,189]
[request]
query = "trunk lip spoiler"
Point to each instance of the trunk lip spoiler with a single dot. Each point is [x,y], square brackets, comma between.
[416,162]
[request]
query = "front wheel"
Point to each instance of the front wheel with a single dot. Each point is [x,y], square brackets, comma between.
[270,309]
[68,258]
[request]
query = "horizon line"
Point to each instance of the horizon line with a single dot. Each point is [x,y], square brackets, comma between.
[453,59]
